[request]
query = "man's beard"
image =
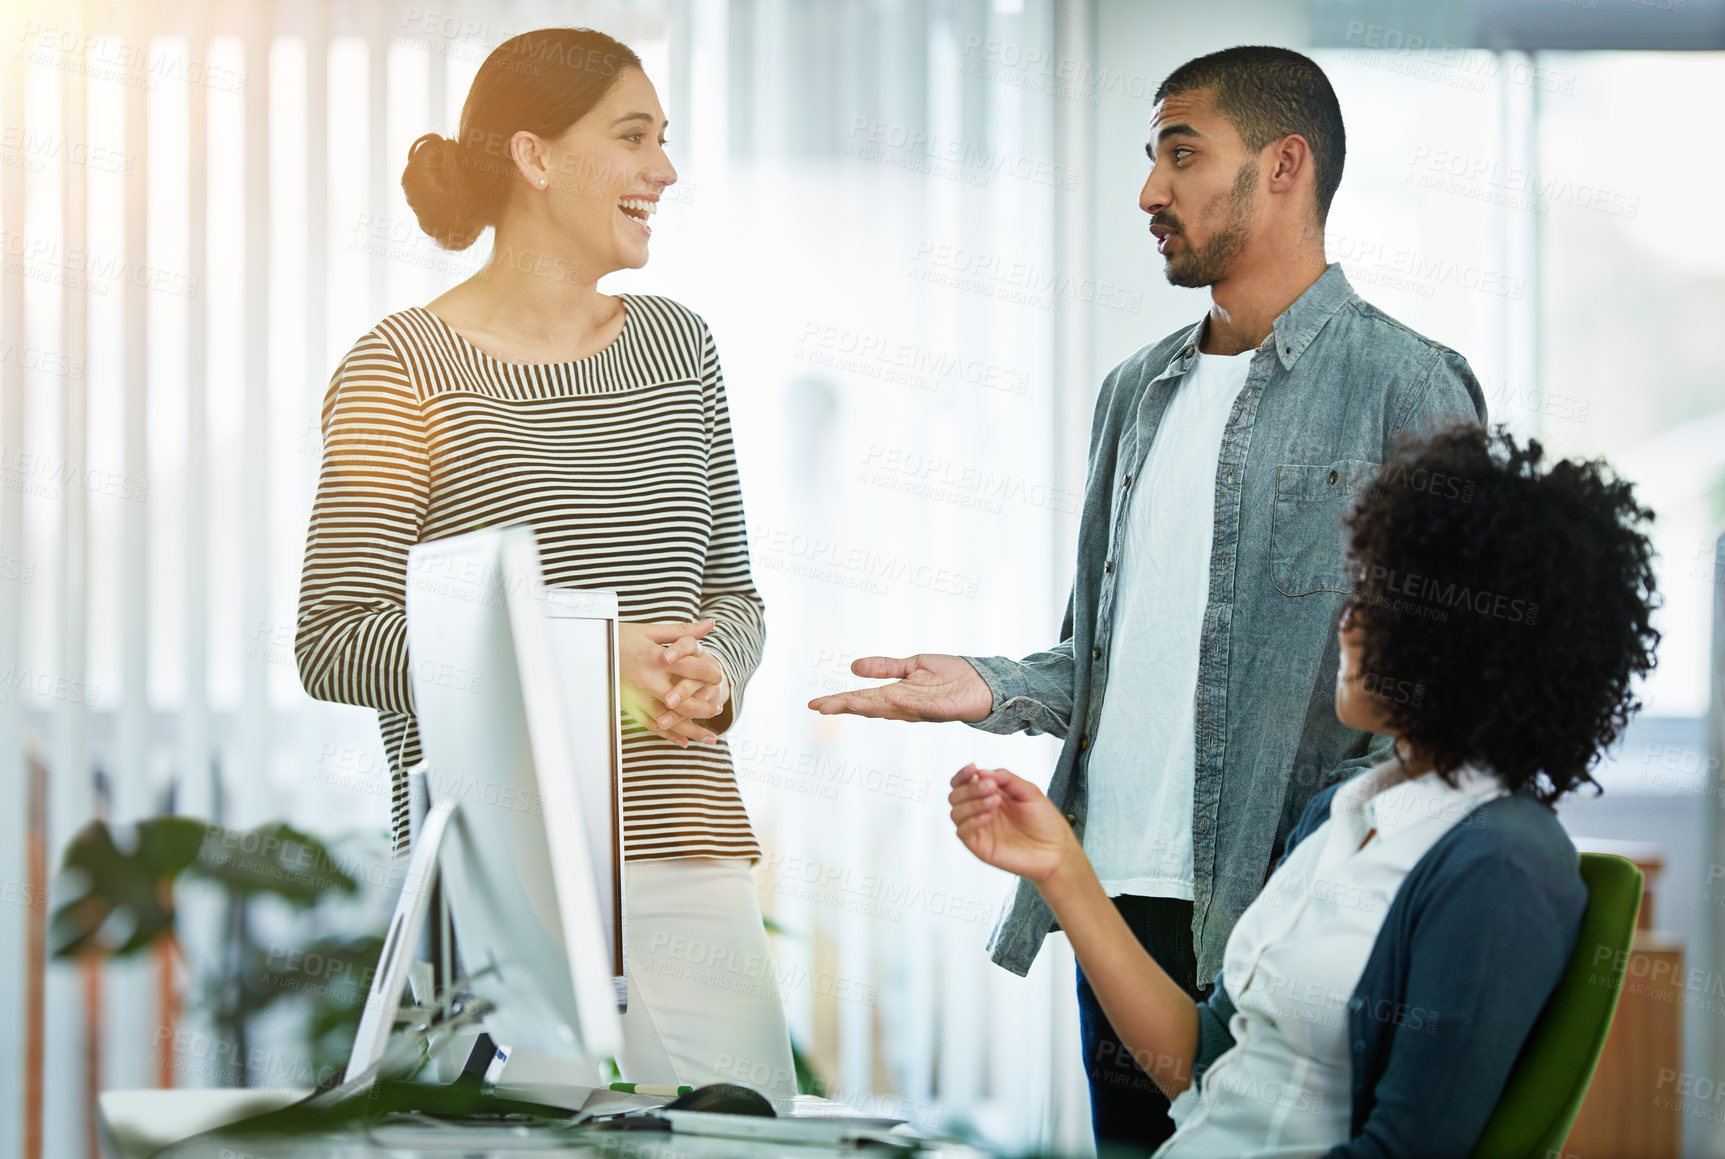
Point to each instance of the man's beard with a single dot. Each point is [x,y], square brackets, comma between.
[1208,264]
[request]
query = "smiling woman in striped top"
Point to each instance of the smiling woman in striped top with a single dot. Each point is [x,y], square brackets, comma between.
[526,395]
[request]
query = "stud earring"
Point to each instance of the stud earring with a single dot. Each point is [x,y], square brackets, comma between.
[542,183]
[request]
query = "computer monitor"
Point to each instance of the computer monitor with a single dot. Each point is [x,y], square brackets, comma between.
[582,626]
[515,692]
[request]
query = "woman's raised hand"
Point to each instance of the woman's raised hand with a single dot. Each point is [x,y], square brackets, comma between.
[1008,823]
[669,681]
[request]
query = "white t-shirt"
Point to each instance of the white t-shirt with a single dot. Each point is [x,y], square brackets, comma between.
[1138,830]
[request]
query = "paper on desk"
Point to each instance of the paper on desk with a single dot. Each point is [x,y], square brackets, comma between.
[816,1107]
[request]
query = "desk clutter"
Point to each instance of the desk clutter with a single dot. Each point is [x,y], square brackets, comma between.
[393,1116]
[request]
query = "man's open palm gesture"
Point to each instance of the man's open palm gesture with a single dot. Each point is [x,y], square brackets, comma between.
[927,686]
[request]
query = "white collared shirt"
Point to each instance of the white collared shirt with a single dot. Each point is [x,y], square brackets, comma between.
[1293,961]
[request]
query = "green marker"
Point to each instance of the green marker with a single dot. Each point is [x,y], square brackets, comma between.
[655,1089]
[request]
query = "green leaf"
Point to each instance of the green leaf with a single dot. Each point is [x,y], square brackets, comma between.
[809,1081]
[117,881]
[272,859]
[332,975]
[111,885]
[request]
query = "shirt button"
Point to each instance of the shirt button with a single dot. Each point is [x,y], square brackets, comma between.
[1083,743]
[1333,477]
[1096,653]
[1072,819]
[1107,565]
[1126,482]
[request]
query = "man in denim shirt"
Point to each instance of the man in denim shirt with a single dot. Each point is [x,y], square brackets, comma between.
[1194,679]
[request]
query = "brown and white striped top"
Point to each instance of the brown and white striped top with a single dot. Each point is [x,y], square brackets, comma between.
[623,464]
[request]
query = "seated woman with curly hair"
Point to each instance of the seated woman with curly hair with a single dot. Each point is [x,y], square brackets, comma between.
[1373,998]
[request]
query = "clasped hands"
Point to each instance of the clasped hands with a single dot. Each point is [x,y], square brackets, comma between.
[671,683]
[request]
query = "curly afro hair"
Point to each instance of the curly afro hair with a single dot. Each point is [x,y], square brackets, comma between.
[1516,600]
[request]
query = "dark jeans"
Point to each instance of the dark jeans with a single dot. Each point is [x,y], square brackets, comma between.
[1128,1112]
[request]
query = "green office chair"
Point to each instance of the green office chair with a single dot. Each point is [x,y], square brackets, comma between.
[1552,1073]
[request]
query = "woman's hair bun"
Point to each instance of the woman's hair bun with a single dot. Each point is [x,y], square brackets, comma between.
[436,184]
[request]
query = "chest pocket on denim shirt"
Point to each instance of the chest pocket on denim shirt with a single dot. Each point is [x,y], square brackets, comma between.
[1308,544]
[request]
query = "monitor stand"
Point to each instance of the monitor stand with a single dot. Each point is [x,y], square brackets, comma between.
[485,1060]
[469,1057]
[400,944]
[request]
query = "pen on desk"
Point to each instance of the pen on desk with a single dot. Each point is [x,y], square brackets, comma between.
[651,1089]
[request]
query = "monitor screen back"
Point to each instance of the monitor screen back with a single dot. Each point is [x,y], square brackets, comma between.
[583,631]
[530,915]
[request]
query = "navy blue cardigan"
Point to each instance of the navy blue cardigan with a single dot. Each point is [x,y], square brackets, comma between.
[1471,948]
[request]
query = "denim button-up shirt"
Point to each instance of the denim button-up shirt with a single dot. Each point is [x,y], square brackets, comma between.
[1328,393]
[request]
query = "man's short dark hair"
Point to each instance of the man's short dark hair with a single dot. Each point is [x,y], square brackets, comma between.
[1267,94]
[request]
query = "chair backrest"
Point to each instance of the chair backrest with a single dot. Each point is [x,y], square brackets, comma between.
[1545,1089]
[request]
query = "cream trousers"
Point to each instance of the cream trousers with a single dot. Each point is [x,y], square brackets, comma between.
[704,1002]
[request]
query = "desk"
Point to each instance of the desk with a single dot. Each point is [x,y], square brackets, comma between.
[132,1124]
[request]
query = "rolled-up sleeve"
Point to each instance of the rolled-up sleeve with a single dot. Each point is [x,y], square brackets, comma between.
[1031,695]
